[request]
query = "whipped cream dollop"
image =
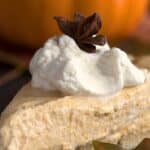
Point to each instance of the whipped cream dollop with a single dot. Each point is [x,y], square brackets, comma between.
[61,65]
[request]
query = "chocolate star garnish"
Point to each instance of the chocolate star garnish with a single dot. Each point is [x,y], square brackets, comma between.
[83,30]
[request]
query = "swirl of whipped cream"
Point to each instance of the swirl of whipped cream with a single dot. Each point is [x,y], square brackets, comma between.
[61,65]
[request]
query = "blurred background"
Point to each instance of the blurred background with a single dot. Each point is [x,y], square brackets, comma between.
[26,24]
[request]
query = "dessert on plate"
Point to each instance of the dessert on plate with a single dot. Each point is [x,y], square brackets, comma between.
[81,90]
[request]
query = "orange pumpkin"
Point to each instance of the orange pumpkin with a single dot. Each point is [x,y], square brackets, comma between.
[119,17]
[30,22]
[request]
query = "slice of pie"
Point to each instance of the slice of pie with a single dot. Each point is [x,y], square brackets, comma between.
[81,91]
[42,120]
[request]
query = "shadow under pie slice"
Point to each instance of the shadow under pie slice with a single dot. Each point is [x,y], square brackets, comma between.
[48,120]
